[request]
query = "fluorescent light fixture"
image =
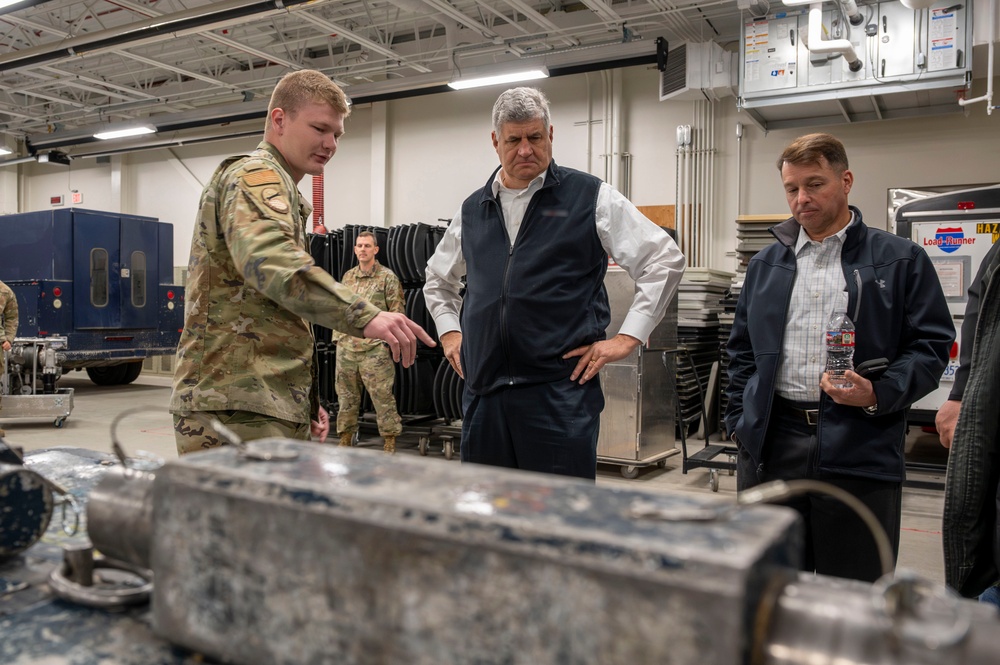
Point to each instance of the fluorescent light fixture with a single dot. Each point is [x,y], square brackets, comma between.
[5,151]
[496,79]
[122,133]
[8,3]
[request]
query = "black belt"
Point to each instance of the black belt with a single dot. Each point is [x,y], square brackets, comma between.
[808,411]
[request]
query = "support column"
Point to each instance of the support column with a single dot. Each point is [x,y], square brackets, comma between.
[379,167]
[9,200]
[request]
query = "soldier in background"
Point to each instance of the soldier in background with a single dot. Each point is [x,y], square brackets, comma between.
[8,305]
[245,357]
[366,361]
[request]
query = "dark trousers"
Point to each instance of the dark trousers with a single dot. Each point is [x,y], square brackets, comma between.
[837,542]
[548,427]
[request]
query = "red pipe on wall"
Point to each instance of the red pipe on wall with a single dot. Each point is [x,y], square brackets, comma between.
[318,215]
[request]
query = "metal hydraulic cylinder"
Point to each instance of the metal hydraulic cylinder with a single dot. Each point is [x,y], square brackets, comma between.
[347,556]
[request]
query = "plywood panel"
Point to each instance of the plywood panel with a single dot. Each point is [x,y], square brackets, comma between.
[660,215]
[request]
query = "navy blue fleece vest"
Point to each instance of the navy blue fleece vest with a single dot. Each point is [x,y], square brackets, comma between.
[526,306]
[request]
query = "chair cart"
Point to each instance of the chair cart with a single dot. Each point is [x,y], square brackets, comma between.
[705,457]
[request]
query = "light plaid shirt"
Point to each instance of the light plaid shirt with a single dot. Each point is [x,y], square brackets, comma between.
[819,281]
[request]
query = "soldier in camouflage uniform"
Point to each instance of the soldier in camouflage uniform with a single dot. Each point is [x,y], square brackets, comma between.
[367,361]
[245,355]
[8,306]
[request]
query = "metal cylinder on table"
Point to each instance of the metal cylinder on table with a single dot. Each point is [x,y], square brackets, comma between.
[25,508]
[817,619]
[120,515]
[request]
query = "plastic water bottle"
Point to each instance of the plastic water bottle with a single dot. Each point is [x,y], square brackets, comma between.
[840,344]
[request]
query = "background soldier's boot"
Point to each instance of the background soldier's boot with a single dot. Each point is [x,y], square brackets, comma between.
[390,445]
[345,439]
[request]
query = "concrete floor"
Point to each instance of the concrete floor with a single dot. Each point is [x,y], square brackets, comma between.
[148,427]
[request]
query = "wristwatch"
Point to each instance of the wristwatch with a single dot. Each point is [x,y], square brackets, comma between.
[871,410]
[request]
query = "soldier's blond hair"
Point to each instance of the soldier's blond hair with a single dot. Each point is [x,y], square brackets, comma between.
[367,234]
[296,89]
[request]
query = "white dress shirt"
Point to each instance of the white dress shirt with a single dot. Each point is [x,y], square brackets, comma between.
[644,250]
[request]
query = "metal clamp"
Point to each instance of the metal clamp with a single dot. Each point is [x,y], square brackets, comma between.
[78,580]
[68,499]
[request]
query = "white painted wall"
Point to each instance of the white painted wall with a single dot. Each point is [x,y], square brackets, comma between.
[42,181]
[347,179]
[415,160]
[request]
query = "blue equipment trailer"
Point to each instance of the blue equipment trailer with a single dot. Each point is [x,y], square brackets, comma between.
[101,279]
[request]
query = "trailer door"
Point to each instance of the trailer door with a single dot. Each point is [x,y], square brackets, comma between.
[97,292]
[139,272]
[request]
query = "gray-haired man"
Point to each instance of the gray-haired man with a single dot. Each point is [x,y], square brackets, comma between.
[529,334]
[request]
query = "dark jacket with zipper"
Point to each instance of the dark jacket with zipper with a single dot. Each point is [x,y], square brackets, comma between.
[899,312]
[971,520]
[528,303]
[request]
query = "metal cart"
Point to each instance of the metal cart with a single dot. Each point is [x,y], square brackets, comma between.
[30,370]
[704,458]
[637,425]
[450,436]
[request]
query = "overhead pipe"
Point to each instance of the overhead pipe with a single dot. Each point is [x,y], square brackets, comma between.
[151,144]
[17,6]
[682,216]
[617,130]
[815,42]
[988,97]
[854,15]
[606,126]
[159,27]
[694,210]
[694,157]
[411,86]
[704,185]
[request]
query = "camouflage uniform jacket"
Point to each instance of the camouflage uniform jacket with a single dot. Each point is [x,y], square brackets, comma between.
[381,288]
[8,305]
[252,286]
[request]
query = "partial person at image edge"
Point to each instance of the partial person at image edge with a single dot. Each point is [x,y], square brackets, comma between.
[970,524]
[947,414]
[10,314]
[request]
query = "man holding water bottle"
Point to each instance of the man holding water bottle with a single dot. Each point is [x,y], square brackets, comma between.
[785,414]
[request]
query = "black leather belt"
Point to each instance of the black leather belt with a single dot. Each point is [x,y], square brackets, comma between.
[805,410]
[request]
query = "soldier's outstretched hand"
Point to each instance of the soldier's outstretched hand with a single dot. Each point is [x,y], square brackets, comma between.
[400,333]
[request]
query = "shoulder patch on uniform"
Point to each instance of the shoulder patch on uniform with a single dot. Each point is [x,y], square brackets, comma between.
[277,203]
[258,178]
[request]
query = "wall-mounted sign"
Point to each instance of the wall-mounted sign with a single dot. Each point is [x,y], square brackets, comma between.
[56,200]
[76,198]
